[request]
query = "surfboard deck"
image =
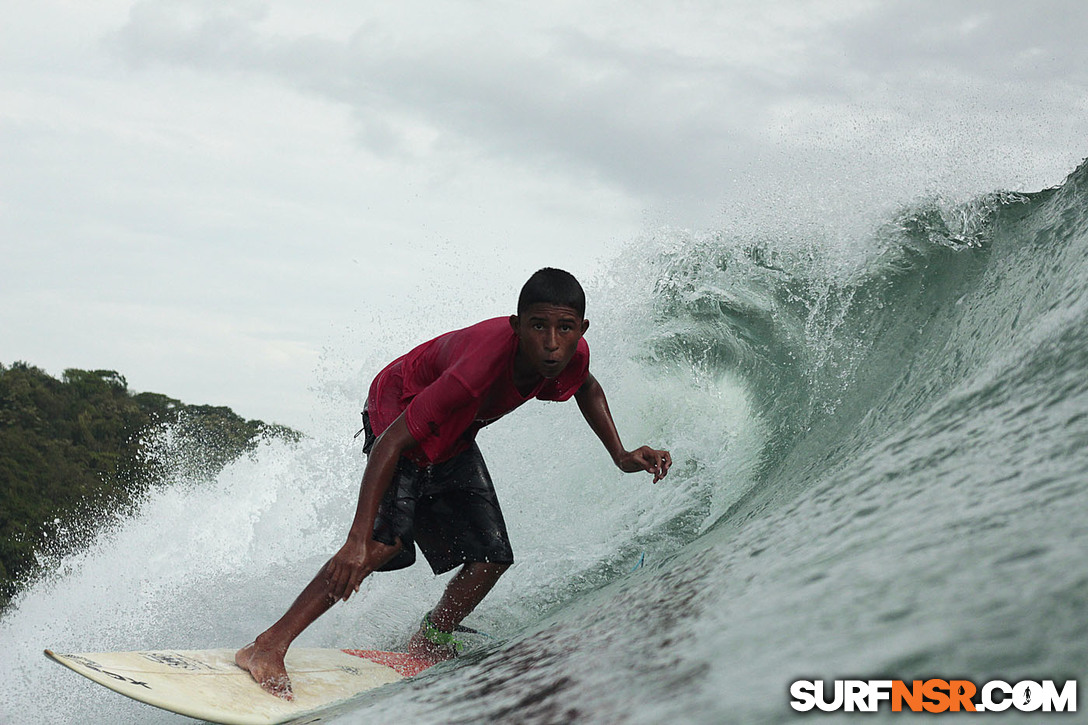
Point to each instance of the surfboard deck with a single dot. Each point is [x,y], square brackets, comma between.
[206,684]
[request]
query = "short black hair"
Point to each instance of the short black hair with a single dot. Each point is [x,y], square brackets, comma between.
[553,286]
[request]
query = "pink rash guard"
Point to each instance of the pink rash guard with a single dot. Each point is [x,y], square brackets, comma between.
[457,383]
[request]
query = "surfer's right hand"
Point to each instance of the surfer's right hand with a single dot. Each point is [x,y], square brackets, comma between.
[353,563]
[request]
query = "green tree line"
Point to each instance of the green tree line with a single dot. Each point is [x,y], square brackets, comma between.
[77,451]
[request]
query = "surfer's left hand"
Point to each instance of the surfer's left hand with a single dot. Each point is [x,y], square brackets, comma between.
[646,459]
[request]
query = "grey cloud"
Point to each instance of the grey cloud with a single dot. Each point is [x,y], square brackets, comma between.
[657,122]
[653,122]
[1008,39]
[193,33]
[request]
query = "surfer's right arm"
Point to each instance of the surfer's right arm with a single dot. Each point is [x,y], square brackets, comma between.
[362,554]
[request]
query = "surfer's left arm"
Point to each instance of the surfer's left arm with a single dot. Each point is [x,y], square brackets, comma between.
[594,406]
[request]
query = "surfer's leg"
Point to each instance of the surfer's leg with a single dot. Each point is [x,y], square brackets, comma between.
[263,658]
[459,523]
[466,590]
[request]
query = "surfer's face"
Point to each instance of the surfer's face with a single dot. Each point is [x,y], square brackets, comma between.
[548,336]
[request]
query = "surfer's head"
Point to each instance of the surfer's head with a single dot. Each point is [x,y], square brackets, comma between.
[550,322]
[553,286]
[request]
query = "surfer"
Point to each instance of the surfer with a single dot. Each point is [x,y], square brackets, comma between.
[425,481]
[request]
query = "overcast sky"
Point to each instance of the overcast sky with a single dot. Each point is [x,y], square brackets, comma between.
[220,199]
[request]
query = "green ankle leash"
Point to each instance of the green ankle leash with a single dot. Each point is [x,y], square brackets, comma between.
[437,636]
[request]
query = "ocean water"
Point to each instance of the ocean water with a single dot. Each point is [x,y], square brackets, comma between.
[881,450]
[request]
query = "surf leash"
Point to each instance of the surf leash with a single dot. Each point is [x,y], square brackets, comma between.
[470,630]
[438,637]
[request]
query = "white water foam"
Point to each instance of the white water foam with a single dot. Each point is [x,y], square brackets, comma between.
[211,564]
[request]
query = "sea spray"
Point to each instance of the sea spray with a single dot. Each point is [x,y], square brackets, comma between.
[922,503]
[881,444]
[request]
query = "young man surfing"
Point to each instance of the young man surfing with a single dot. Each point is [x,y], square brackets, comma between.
[425,481]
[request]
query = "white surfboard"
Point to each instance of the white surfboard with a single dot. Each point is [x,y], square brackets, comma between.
[206,684]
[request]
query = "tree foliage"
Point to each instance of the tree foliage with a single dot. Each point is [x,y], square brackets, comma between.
[76,449]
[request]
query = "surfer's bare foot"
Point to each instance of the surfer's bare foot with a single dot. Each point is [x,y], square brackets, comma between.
[267,668]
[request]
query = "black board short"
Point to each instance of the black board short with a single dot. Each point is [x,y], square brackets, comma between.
[448,509]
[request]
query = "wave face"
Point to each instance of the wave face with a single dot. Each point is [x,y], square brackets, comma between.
[881,450]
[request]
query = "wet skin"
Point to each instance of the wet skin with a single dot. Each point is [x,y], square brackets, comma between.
[548,336]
